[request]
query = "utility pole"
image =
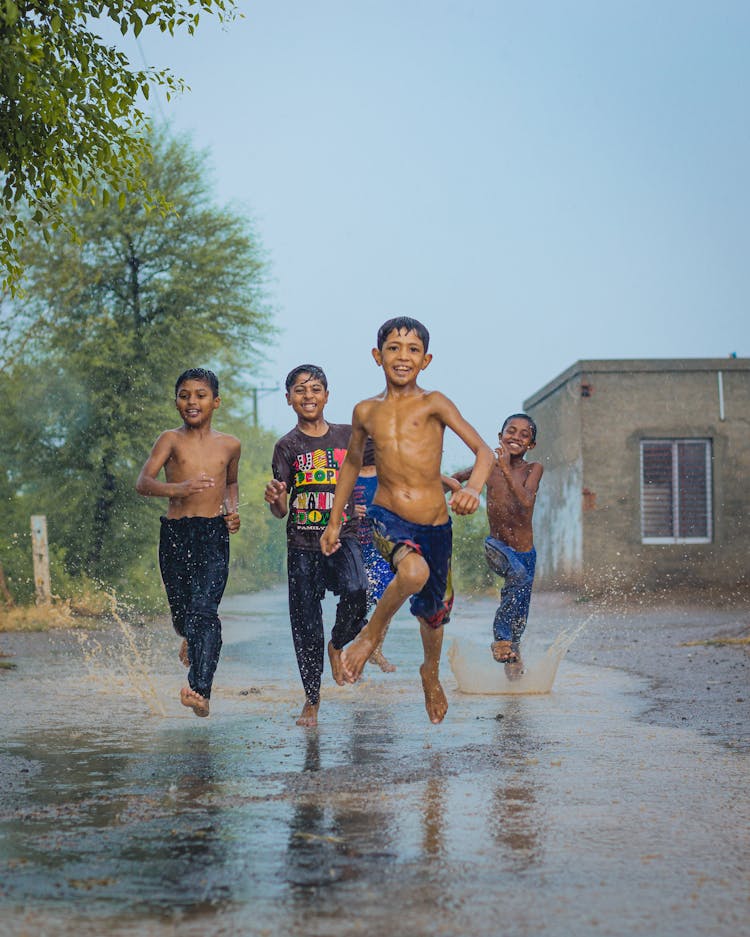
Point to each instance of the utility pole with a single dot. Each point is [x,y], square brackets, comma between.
[257,392]
[41,559]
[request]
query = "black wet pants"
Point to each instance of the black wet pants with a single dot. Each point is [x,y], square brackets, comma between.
[311,574]
[194,563]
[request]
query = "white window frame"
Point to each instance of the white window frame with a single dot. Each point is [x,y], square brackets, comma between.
[674,443]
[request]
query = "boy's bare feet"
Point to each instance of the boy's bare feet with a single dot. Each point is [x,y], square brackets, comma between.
[194,701]
[435,701]
[355,655]
[183,655]
[334,656]
[503,652]
[309,715]
[381,661]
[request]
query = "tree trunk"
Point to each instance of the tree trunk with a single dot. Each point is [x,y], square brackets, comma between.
[102,516]
[7,597]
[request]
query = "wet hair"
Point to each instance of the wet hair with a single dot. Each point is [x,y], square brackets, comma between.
[312,369]
[520,416]
[403,324]
[198,374]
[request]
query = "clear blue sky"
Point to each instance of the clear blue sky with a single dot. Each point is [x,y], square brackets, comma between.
[537,182]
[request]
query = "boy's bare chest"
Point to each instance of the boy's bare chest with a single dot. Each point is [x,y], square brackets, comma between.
[499,488]
[194,457]
[405,421]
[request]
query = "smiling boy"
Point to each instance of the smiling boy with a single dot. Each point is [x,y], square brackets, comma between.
[305,464]
[200,467]
[412,528]
[511,494]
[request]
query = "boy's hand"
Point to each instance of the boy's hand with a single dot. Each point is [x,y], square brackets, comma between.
[329,541]
[360,510]
[232,520]
[193,486]
[503,456]
[464,501]
[274,491]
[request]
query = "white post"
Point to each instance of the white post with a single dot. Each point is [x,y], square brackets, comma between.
[41,559]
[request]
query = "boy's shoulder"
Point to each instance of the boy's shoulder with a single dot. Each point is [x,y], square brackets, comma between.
[174,434]
[295,436]
[417,397]
[225,438]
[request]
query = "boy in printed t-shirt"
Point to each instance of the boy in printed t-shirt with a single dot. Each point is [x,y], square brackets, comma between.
[305,467]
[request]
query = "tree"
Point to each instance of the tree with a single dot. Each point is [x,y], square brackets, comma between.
[69,116]
[119,315]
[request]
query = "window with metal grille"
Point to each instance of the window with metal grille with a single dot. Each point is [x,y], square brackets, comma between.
[676,491]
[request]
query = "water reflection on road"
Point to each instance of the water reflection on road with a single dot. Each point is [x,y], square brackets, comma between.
[557,814]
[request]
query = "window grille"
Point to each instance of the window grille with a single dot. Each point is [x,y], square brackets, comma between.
[676,491]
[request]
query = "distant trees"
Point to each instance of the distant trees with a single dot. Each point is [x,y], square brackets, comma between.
[69,116]
[107,324]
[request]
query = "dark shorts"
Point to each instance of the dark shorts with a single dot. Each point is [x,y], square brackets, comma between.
[432,542]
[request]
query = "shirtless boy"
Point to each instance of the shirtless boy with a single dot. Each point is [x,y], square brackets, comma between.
[412,527]
[511,493]
[200,467]
[306,465]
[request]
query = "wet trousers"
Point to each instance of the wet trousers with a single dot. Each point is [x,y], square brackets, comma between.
[517,570]
[194,563]
[311,574]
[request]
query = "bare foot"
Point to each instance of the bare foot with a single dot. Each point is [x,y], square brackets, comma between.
[183,655]
[378,658]
[514,669]
[194,701]
[503,652]
[435,701]
[334,656]
[309,715]
[355,655]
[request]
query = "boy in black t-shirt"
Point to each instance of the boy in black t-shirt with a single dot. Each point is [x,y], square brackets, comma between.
[305,466]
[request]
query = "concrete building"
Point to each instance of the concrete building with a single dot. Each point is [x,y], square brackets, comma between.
[647,475]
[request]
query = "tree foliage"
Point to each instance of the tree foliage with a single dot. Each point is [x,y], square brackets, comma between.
[70,122]
[111,320]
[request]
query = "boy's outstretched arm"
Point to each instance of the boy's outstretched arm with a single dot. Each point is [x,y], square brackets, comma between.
[466,501]
[348,474]
[149,485]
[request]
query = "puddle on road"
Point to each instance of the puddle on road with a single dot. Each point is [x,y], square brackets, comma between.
[555,814]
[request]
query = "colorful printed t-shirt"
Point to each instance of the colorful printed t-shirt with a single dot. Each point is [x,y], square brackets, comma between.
[309,466]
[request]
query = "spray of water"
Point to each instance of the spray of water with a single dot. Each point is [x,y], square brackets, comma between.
[125,661]
[476,672]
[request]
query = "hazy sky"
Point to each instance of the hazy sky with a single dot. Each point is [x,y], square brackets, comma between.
[537,182]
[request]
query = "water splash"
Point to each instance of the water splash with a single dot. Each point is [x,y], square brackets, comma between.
[476,672]
[125,660]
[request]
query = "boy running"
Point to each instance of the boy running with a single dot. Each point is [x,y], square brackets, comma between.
[200,466]
[511,494]
[306,465]
[410,517]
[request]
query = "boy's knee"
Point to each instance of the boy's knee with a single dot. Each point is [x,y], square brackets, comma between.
[412,570]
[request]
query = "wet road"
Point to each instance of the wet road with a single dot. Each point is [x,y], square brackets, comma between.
[557,814]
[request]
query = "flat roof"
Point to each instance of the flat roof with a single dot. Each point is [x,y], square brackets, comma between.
[633,366]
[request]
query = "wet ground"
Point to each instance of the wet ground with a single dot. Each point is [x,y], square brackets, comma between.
[594,809]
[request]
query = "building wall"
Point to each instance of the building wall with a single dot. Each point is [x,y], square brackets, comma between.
[557,515]
[619,403]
